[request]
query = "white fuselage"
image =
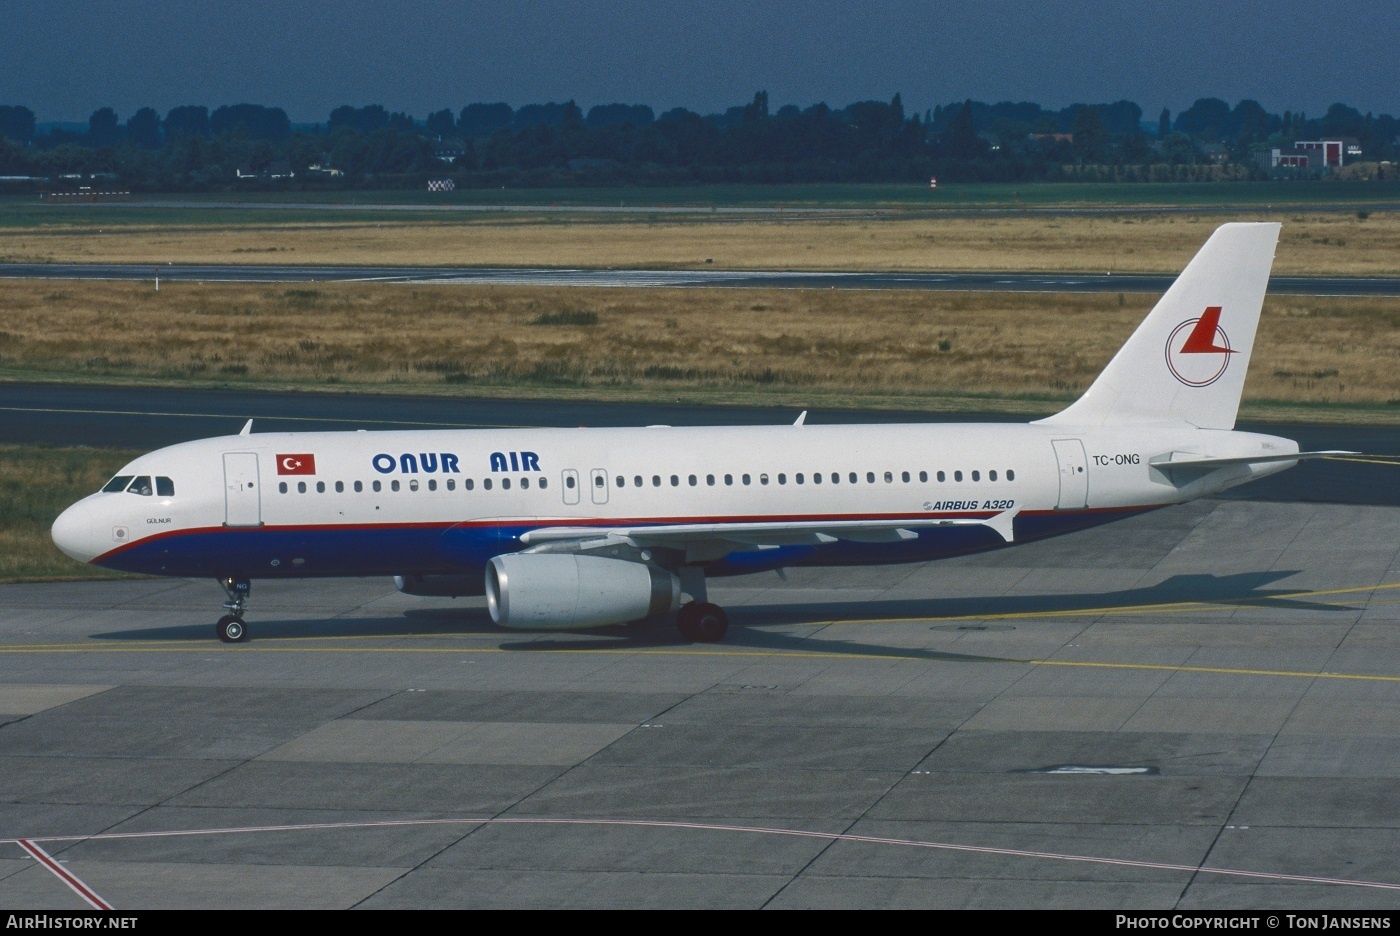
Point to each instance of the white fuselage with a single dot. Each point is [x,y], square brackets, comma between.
[445,501]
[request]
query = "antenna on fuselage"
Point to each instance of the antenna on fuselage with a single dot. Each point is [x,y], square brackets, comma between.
[247,428]
[801,419]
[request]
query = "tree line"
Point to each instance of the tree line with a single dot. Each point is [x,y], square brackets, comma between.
[192,148]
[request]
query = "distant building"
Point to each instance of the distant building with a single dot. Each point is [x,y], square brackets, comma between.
[1216,153]
[1334,152]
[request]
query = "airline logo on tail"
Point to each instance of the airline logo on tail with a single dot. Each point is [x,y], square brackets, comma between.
[1198,350]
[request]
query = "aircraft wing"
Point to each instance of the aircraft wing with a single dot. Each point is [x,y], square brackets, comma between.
[769,534]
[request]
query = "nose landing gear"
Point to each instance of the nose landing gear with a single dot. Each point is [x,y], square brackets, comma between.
[231,628]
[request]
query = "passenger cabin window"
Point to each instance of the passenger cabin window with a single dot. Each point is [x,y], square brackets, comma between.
[282,488]
[977,476]
[942,476]
[320,487]
[505,484]
[377,487]
[301,487]
[991,475]
[452,484]
[544,482]
[468,484]
[1010,475]
[486,483]
[957,476]
[394,484]
[359,487]
[117,484]
[340,487]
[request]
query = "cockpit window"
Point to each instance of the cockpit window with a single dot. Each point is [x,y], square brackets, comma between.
[141,485]
[165,487]
[117,484]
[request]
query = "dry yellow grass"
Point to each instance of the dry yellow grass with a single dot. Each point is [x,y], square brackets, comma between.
[1312,243]
[35,485]
[777,344]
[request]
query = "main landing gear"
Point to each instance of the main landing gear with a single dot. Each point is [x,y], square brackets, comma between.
[698,620]
[702,622]
[231,628]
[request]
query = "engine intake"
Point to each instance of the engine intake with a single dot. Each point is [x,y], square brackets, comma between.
[544,591]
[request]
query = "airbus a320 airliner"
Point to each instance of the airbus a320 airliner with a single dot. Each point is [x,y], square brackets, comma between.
[578,528]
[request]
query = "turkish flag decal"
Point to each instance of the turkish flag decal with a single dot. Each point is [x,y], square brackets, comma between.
[296,464]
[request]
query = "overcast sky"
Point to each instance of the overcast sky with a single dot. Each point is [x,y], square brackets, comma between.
[66,58]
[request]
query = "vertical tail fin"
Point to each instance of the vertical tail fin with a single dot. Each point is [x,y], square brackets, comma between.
[1187,360]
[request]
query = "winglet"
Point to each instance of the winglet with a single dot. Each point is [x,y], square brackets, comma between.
[1002,523]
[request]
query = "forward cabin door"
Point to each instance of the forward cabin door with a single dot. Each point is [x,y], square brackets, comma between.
[1074,475]
[242,499]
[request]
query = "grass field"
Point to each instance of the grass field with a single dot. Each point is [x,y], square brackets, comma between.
[1338,243]
[36,484]
[1008,351]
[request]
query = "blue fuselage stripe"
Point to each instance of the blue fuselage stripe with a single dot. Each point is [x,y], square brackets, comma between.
[299,552]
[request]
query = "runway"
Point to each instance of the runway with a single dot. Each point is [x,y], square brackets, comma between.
[746,279]
[1191,710]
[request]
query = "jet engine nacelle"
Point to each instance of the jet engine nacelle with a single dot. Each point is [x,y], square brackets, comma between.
[439,586]
[552,591]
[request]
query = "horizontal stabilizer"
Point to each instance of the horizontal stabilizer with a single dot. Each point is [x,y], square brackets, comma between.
[1209,464]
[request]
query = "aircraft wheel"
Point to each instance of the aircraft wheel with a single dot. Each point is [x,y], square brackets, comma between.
[702,622]
[231,629]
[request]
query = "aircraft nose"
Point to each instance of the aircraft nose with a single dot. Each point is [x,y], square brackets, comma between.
[77,534]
